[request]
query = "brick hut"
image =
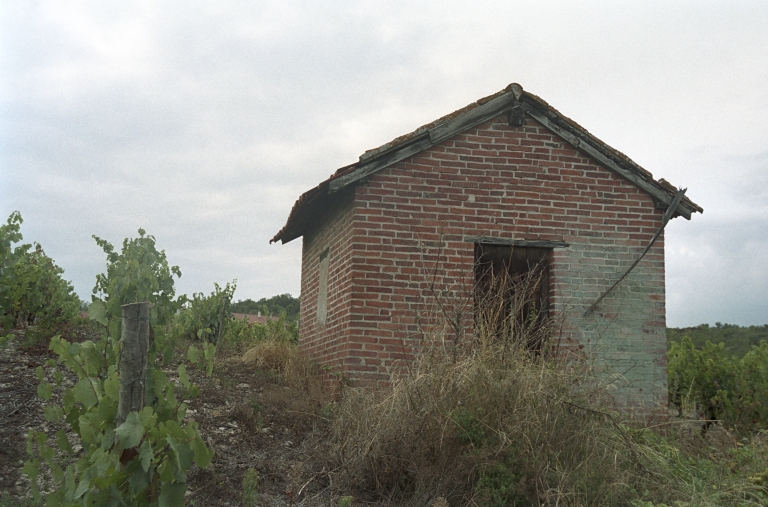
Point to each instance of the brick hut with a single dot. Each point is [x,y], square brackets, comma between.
[505,178]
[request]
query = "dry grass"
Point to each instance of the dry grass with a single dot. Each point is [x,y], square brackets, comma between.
[526,432]
[520,430]
[517,428]
[285,359]
[271,354]
[509,422]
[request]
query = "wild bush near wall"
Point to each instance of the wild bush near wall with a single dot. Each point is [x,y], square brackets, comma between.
[724,388]
[499,421]
[144,460]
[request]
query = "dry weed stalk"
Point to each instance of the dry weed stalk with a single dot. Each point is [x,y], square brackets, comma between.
[512,317]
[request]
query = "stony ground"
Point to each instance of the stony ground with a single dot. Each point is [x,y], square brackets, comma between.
[250,417]
[20,409]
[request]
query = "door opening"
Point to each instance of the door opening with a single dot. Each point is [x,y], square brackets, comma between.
[512,294]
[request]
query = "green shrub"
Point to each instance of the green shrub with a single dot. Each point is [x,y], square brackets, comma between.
[732,390]
[144,460]
[470,426]
[32,290]
[500,486]
[205,318]
[250,487]
[283,304]
[738,339]
[241,333]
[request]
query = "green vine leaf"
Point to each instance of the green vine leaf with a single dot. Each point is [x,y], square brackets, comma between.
[131,431]
[203,455]
[32,469]
[63,442]
[53,413]
[85,485]
[183,375]
[44,391]
[172,495]
[181,456]
[97,311]
[139,480]
[193,354]
[146,455]
[209,351]
[85,394]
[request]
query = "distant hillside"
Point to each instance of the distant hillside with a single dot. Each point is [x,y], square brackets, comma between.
[738,340]
[276,305]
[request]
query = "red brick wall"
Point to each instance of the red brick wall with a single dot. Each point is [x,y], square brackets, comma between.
[500,181]
[328,343]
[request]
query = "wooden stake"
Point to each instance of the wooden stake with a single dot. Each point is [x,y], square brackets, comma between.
[221,320]
[133,359]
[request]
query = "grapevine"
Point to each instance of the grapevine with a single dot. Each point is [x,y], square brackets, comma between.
[143,461]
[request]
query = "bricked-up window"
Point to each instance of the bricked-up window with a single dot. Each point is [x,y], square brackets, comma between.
[322,291]
[512,293]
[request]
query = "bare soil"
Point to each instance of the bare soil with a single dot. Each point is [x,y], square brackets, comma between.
[251,418]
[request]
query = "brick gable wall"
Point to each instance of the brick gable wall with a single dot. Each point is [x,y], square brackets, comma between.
[328,343]
[403,239]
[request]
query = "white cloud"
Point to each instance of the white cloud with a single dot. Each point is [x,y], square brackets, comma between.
[203,122]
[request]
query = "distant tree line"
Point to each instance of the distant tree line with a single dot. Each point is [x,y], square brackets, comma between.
[737,340]
[284,304]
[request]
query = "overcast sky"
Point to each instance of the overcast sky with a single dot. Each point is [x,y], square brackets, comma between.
[202,122]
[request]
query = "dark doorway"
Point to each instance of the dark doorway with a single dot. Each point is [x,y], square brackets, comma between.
[512,293]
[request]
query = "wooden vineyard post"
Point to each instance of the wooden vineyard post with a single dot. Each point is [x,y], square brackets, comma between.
[133,359]
[221,320]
